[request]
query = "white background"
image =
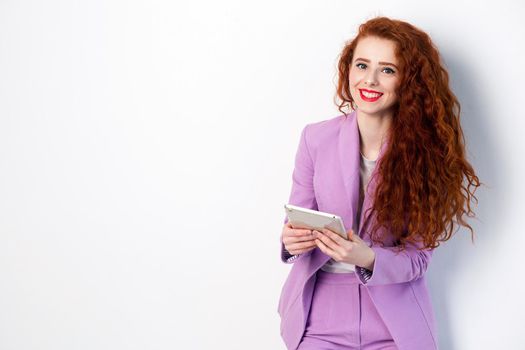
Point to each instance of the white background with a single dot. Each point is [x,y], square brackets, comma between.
[146,152]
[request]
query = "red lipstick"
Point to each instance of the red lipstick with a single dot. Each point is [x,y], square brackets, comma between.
[376,95]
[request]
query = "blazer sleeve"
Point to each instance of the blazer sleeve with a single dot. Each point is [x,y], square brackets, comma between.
[302,193]
[394,266]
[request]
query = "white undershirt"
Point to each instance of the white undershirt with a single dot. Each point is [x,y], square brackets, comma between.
[365,169]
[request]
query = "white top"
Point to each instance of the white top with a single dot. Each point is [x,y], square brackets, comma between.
[365,169]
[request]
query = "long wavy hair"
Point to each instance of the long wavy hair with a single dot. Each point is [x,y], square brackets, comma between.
[425,183]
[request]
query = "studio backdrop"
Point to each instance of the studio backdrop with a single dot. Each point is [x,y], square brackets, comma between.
[147,149]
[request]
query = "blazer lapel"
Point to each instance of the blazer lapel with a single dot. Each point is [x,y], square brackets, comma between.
[350,158]
[371,188]
[349,161]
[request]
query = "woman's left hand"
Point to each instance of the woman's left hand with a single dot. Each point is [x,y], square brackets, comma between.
[352,250]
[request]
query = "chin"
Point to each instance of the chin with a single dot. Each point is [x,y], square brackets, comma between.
[370,110]
[379,110]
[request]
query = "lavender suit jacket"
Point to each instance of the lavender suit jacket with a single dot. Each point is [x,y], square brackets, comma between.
[326,178]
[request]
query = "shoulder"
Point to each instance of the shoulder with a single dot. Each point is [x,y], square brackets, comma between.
[323,131]
[323,127]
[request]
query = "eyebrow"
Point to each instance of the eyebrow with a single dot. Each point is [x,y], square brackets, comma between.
[368,61]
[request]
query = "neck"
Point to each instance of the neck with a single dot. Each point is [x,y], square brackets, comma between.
[372,129]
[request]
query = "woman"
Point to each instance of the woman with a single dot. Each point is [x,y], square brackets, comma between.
[395,170]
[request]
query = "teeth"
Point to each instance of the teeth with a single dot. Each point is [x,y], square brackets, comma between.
[370,94]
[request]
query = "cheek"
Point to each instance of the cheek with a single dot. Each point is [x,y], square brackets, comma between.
[353,78]
[353,88]
[392,86]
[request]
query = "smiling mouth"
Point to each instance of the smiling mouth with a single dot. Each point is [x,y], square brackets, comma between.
[369,95]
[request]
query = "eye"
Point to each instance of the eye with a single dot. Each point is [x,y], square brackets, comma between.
[361,65]
[388,70]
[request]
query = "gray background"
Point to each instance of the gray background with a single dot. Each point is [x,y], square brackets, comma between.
[146,152]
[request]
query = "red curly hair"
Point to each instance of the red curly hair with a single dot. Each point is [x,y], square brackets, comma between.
[425,182]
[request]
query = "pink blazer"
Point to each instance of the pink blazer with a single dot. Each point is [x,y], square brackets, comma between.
[326,178]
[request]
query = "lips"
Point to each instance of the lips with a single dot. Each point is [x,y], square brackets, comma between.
[370,95]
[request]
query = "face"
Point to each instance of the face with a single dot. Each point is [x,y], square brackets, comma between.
[374,76]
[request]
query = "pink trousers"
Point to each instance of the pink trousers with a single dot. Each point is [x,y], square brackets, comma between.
[342,316]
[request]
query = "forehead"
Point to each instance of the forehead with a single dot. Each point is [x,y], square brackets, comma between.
[376,49]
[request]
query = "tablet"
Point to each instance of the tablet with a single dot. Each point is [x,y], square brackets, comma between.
[314,220]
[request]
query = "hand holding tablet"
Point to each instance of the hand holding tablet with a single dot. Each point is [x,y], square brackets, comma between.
[305,218]
[296,240]
[347,251]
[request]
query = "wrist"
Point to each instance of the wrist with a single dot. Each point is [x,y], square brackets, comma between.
[369,263]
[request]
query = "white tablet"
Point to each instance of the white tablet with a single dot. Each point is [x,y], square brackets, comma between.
[314,220]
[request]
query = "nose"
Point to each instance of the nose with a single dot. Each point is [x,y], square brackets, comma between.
[370,78]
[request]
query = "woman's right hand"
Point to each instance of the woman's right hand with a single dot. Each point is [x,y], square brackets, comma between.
[297,241]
